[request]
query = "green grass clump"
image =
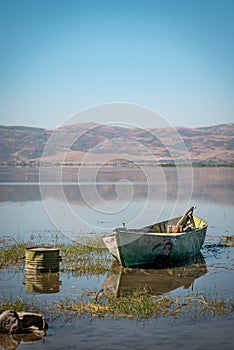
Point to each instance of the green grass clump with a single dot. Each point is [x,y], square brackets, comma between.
[141,305]
[19,305]
[138,306]
[86,257]
[89,257]
[12,255]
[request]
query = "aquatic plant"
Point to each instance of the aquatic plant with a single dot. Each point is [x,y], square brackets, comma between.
[12,255]
[89,257]
[86,257]
[138,306]
[228,241]
[141,305]
[19,304]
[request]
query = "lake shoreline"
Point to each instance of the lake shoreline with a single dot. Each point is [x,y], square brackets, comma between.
[114,165]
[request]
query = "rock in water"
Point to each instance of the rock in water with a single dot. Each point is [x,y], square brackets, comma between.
[10,322]
[32,321]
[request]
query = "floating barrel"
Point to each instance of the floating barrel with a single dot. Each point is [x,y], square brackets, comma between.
[42,259]
[42,282]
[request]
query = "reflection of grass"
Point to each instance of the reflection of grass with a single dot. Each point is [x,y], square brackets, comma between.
[88,257]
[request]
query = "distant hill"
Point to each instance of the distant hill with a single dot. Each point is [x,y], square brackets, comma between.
[213,144]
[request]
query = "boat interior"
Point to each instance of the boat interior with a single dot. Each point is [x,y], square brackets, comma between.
[163,227]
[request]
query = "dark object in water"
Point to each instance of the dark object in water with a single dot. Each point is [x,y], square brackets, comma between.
[21,322]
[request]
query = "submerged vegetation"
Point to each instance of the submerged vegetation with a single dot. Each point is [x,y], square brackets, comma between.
[20,305]
[228,241]
[86,257]
[139,305]
[90,257]
[12,255]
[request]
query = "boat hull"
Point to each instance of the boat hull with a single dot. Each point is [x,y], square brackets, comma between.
[135,247]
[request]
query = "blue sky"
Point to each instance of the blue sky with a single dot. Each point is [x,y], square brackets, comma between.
[61,56]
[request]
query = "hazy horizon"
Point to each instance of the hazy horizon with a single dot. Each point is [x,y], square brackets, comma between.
[89,122]
[109,124]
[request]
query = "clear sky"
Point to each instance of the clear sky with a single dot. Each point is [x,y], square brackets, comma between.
[61,56]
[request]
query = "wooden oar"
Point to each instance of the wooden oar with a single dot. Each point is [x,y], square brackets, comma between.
[184,219]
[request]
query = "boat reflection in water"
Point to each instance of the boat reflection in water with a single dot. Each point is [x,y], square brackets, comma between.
[42,282]
[122,282]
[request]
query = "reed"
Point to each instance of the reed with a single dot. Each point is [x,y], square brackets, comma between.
[89,257]
[138,306]
[19,304]
[141,305]
[12,255]
[86,257]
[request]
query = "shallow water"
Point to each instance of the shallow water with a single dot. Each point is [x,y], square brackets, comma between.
[33,212]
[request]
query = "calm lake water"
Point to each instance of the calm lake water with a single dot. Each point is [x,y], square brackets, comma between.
[61,205]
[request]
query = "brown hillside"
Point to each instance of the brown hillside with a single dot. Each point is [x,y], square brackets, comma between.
[100,142]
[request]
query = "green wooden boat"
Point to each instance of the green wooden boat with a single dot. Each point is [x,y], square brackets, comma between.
[160,243]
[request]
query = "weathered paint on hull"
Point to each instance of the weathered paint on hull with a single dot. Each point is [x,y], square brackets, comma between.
[153,248]
[134,248]
[111,243]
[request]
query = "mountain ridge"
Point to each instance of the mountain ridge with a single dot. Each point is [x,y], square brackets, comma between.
[209,144]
